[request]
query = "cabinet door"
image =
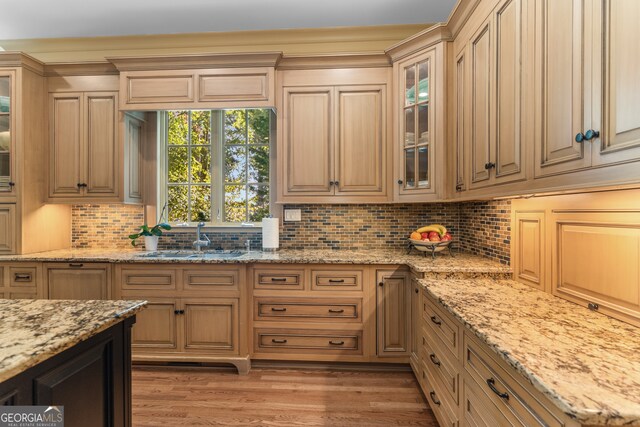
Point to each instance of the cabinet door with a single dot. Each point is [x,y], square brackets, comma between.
[101,154]
[562,86]
[393,313]
[133,168]
[360,149]
[66,144]
[416,316]
[211,325]
[78,281]
[307,167]
[7,133]
[620,135]
[7,229]
[156,325]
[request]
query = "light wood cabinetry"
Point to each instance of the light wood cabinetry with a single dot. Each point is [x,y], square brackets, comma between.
[8,233]
[393,306]
[528,263]
[8,123]
[21,281]
[82,281]
[157,327]
[333,136]
[134,143]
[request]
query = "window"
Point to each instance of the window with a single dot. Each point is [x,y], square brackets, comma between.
[217,166]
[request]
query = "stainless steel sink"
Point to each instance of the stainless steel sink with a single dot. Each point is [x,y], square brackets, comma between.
[193,255]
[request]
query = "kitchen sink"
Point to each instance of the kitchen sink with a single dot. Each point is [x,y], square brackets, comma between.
[193,254]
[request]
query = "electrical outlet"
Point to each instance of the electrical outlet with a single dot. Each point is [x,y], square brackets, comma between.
[292,215]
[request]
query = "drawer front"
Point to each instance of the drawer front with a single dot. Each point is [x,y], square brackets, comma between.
[345,280]
[234,85]
[21,295]
[321,310]
[504,391]
[280,279]
[162,88]
[444,327]
[440,365]
[308,341]
[206,279]
[145,279]
[444,410]
[20,277]
[478,409]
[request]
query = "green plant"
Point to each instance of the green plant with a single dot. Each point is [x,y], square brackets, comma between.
[156,230]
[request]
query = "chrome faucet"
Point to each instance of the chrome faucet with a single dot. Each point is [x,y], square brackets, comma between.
[202,241]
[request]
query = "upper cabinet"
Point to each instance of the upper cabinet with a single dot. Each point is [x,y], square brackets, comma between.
[7,139]
[333,136]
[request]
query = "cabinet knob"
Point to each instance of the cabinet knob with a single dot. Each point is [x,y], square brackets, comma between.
[381,284]
[11,183]
[331,183]
[459,187]
[587,136]
[489,165]
[417,291]
[400,182]
[81,185]
[337,183]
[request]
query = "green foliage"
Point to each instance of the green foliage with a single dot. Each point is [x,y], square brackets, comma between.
[156,230]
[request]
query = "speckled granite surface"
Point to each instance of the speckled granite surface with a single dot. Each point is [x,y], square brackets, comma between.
[443,264]
[585,362]
[35,330]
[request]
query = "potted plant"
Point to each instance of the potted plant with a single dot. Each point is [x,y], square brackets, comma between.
[150,235]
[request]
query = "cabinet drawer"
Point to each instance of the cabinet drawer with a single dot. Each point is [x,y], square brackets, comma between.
[20,277]
[321,310]
[440,365]
[345,280]
[155,88]
[444,410]
[207,279]
[144,279]
[442,325]
[234,85]
[308,341]
[478,409]
[21,295]
[284,279]
[511,399]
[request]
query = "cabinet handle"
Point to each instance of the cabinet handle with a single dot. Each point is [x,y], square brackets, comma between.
[11,183]
[336,342]
[336,310]
[434,359]
[459,187]
[492,385]
[275,341]
[400,182]
[381,284]
[75,265]
[489,165]
[435,320]
[417,291]
[81,185]
[22,277]
[336,280]
[591,134]
[331,183]
[593,306]
[432,395]
[178,311]
[278,309]
[337,183]
[278,279]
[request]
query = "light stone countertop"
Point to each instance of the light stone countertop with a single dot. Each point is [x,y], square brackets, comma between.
[443,264]
[33,331]
[588,364]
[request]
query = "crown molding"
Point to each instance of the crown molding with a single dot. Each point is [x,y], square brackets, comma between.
[79,69]
[20,59]
[343,60]
[460,15]
[196,61]
[422,40]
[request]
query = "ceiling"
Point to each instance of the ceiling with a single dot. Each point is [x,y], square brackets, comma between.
[25,19]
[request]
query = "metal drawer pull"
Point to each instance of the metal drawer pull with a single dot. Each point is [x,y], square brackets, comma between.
[22,277]
[278,309]
[334,310]
[336,280]
[75,265]
[434,359]
[336,342]
[492,385]
[278,279]
[432,395]
[435,320]
[275,341]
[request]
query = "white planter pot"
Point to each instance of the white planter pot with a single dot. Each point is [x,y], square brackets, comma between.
[150,243]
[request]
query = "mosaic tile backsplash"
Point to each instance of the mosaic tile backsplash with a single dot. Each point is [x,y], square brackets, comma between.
[480,227]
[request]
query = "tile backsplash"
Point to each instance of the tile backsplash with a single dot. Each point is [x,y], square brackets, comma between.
[480,227]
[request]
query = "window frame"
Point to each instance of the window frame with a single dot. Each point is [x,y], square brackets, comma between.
[218,184]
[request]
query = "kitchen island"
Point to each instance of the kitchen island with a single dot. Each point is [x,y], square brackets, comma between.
[75,354]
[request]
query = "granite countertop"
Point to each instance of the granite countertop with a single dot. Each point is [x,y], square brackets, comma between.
[35,330]
[444,263]
[588,364]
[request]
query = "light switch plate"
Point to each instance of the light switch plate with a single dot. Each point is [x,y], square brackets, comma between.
[292,215]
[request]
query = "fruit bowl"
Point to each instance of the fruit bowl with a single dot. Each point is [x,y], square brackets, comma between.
[429,246]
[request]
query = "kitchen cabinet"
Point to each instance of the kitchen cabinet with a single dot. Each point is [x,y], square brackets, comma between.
[333,137]
[134,140]
[7,131]
[82,281]
[393,296]
[416,317]
[8,233]
[85,150]
[21,281]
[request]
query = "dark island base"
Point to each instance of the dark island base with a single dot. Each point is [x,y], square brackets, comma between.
[92,380]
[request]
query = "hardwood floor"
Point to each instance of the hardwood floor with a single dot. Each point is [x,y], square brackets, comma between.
[169,396]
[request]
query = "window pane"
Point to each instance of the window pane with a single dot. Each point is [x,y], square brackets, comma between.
[259,164]
[201,203]
[423,81]
[178,164]
[258,126]
[410,83]
[178,132]
[409,126]
[235,202]
[410,167]
[201,165]
[235,126]
[258,202]
[178,203]
[423,124]
[423,166]
[235,164]
[200,127]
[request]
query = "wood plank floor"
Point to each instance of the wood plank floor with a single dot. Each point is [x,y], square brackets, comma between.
[169,396]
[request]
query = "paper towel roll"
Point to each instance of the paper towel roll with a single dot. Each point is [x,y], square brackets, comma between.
[270,234]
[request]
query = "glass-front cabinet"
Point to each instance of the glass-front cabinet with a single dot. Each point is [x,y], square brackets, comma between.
[416,151]
[6,131]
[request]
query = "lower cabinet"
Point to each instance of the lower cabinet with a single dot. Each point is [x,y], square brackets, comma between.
[393,308]
[82,281]
[21,281]
[8,229]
